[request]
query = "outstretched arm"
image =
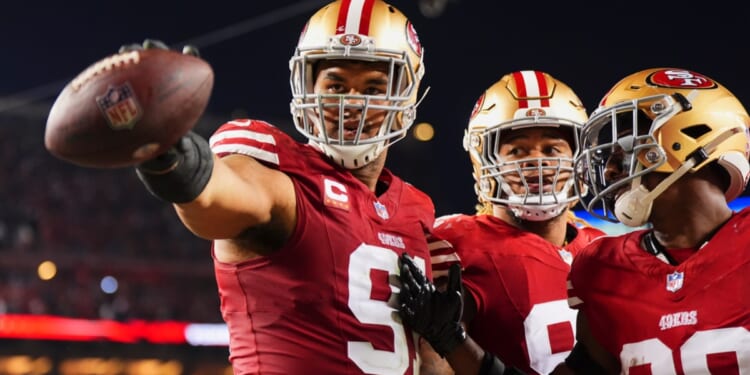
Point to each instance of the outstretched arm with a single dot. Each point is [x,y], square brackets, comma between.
[218,198]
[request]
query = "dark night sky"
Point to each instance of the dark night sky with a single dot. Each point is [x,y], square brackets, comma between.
[471,45]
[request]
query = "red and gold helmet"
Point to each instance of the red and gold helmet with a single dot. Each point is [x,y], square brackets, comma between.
[519,100]
[364,30]
[666,120]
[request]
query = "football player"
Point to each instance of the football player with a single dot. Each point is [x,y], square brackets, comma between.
[667,147]
[516,251]
[306,237]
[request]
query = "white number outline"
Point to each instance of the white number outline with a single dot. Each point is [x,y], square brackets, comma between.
[362,353]
[693,352]
[536,333]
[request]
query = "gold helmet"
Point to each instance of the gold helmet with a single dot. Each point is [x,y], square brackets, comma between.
[666,120]
[372,31]
[519,100]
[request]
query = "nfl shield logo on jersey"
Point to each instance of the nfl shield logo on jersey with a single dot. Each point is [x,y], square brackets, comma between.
[566,256]
[674,281]
[381,210]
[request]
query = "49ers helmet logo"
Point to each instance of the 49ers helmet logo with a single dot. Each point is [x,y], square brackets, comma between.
[413,39]
[477,106]
[535,112]
[350,40]
[680,79]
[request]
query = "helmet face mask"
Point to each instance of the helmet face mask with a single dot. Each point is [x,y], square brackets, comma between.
[619,147]
[522,139]
[664,120]
[378,36]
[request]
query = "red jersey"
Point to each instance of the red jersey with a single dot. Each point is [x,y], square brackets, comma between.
[692,318]
[319,305]
[518,280]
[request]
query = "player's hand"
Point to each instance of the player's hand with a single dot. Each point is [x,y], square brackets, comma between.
[434,314]
[155,43]
[167,160]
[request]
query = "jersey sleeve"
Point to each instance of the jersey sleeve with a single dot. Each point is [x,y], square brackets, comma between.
[442,253]
[253,138]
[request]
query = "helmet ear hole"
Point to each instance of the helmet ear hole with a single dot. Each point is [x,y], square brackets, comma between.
[696,131]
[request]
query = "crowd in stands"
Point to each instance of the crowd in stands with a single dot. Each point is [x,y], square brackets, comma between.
[92,223]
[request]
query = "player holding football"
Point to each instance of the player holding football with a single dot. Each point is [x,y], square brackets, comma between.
[306,237]
[516,251]
[667,147]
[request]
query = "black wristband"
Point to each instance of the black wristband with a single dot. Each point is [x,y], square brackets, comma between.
[180,174]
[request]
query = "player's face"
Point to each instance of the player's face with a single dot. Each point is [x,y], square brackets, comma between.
[536,154]
[335,78]
[621,158]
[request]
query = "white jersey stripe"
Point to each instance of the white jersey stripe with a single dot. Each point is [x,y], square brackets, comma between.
[353,16]
[237,148]
[246,134]
[532,88]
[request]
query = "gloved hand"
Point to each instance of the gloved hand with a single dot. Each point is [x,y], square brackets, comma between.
[180,151]
[434,314]
[155,43]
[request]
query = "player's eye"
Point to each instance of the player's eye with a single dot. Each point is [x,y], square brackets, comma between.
[335,88]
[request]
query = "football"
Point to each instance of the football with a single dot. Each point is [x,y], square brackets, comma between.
[128,108]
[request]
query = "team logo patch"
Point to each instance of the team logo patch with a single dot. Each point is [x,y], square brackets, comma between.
[536,112]
[350,40]
[477,106]
[680,79]
[381,210]
[674,281]
[120,107]
[413,39]
[335,195]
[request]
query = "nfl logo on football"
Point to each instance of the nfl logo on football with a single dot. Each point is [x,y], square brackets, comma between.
[120,107]
[674,281]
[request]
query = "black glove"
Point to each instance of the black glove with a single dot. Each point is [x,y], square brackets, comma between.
[155,43]
[434,314]
[180,174]
[169,159]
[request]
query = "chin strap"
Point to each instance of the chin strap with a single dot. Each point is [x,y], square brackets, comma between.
[634,207]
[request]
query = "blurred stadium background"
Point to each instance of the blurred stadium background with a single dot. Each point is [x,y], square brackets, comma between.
[97,277]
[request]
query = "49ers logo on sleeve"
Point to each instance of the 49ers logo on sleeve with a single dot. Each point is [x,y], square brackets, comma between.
[680,79]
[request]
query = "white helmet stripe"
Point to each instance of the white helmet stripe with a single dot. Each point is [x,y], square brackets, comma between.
[354,17]
[531,84]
